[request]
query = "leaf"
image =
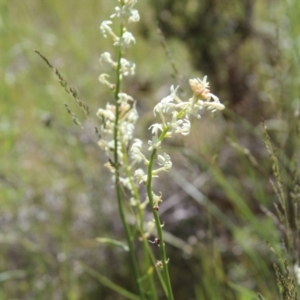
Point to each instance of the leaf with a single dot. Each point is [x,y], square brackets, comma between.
[113,242]
[106,282]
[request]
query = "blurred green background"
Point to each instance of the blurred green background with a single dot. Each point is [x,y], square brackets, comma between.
[56,197]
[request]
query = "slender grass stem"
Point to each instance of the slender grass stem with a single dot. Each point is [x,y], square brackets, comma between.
[128,233]
[159,228]
[140,226]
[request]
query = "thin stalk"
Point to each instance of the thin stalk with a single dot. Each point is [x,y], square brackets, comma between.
[106,282]
[128,233]
[140,226]
[161,279]
[153,294]
[159,227]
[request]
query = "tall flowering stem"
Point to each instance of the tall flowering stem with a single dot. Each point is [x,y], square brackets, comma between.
[174,114]
[159,226]
[118,123]
[118,187]
[118,119]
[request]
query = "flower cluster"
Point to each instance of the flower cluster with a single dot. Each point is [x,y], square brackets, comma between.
[173,112]
[127,114]
[174,115]
[125,152]
[127,14]
[127,119]
[180,111]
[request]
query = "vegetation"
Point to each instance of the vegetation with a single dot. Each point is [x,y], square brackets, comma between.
[231,200]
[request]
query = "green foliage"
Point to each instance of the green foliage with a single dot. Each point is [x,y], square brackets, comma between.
[55,195]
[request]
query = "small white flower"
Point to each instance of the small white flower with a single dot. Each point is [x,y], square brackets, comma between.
[137,144]
[157,198]
[126,130]
[103,80]
[173,91]
[126,40]
[107,114]
[166,105]
[154,144]
[120,12]
[182,126]
[110,146]
[133,115]
[126,13]
[149,228]
[155,128]
[125,98]
[165,161]
[106,56]
[185,127]
[135,17]
[105,28]
[127,67]
[135,151]
[133,201]
[140,176]
[212,105]
[126,183]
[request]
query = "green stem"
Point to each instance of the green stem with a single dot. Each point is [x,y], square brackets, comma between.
[117,177]
[140,226]
[159,227]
